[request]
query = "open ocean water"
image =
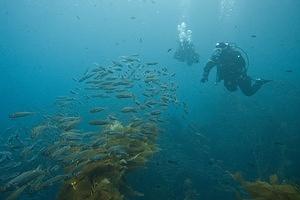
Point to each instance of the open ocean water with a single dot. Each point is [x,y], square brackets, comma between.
[99,99]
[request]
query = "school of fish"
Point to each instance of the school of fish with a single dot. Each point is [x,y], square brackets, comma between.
[126,91]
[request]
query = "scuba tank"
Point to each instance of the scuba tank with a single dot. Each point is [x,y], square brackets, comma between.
[242,51]
[230,51]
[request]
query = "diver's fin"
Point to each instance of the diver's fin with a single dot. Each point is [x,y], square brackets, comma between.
[262,81]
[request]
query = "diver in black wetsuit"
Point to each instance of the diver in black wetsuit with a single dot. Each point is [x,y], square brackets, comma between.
[231,67]
[186,52]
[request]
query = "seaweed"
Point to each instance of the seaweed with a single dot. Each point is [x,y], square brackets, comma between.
[268,190]
[105,179]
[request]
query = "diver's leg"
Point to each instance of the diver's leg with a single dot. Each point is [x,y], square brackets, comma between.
[230,85]
[246,86]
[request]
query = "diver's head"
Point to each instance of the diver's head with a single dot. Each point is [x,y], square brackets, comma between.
[222,45]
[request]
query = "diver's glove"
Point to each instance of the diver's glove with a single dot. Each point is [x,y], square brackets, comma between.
[204,79]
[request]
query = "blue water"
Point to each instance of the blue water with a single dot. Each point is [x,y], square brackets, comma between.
[43,45]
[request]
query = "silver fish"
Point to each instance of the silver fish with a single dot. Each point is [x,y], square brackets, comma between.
[99,122]
[20,114]
[156,112]
[124,95]
[87,76]
[128,110]
[17,193]
[25,177]
[151,63]
[97,109]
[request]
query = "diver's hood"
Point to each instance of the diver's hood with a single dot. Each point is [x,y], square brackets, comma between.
[222,45]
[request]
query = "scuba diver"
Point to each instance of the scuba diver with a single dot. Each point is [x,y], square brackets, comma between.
[232,69]
[186,51]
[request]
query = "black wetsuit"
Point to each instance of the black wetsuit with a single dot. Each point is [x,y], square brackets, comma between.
[186,53]
[231,68]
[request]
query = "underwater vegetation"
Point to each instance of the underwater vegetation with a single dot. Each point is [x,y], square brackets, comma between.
[268,190]
[104,179]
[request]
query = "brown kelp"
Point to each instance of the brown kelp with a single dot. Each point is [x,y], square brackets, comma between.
[104,178]
[268,190]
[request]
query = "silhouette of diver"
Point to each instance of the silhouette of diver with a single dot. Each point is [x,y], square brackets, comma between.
[186,53]
[231,68]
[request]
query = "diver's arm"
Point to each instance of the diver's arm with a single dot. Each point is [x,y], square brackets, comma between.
[209,65]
